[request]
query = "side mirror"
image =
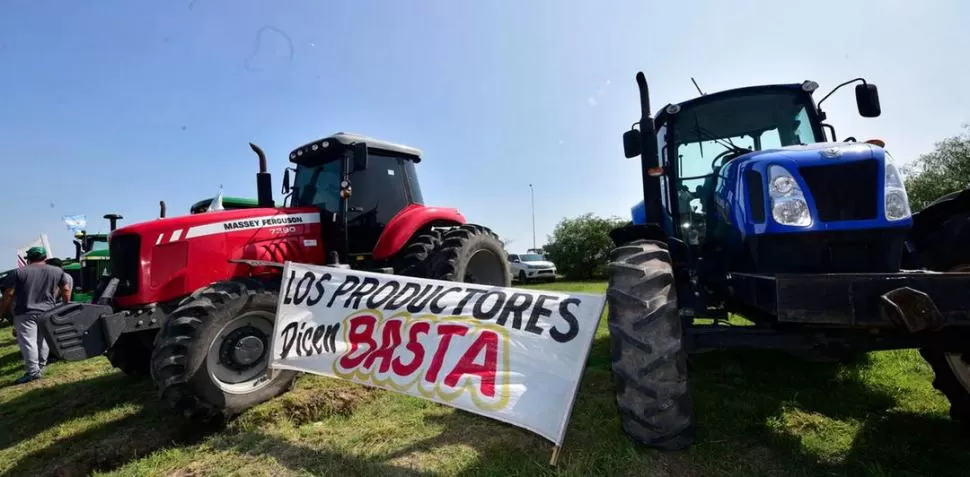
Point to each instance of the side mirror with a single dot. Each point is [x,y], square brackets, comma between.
[360,156]
[286,181]
[631,143]
[867,100]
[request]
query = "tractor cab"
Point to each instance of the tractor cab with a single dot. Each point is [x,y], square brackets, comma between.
[360,184]
[698,138]
[704,134]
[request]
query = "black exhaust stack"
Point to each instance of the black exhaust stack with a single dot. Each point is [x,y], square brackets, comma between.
[264,181]
[77,250]
[113,218]
[649,156]
[161,209]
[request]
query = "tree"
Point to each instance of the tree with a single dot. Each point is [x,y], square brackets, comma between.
[580,247]
[946,169]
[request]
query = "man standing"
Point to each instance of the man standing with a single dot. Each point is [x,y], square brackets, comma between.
[33,288]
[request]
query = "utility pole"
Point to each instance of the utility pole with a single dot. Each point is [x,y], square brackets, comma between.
[532,193]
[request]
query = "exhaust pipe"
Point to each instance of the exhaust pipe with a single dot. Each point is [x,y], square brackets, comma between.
[161,209]
[264,181]
[113,219]
[77,251]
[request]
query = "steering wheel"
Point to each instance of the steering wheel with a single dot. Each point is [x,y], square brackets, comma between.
[719,156]
[850,139]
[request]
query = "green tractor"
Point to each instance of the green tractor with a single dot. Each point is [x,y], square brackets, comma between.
[228,203]
[91,262]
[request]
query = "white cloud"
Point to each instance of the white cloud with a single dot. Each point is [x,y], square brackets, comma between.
[591,100]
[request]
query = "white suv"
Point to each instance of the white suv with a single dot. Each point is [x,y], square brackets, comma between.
[532,266]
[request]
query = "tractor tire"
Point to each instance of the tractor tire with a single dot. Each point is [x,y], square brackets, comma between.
[952,369]
[649,362]
[132,354]
[210,358]
[471,254]
[413,260]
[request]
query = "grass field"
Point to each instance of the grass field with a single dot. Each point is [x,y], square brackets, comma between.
[759,414]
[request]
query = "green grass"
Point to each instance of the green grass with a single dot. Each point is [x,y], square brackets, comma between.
[759,414]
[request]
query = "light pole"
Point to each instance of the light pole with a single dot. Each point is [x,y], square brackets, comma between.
[532,194]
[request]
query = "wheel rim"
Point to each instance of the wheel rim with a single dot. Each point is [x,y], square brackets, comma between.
[486,268]
[957,361]
[238,356]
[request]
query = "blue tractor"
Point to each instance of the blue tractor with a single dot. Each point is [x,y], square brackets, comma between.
[751,209]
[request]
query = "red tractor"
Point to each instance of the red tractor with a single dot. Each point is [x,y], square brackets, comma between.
[192,300]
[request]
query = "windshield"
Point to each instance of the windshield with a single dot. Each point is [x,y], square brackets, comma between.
[755,121]
[318,186]
[531,257]
[99,245]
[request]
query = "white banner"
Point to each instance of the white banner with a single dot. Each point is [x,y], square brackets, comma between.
[40,242]
[515,355]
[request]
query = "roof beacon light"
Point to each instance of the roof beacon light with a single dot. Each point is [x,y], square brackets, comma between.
[809,86]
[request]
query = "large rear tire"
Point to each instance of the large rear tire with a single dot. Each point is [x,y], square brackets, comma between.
[472,254]
[952,370]
[211,356]
[646,340]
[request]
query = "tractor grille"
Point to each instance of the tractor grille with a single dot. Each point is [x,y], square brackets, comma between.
[844,191]
[125,262]
[756,195]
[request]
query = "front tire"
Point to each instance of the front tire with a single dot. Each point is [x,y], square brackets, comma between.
[471,254]
[211,356]
[646,339]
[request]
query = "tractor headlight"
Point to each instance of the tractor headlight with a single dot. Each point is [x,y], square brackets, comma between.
[896,199]
[788,205]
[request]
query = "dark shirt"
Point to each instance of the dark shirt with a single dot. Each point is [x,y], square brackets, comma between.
[35,287]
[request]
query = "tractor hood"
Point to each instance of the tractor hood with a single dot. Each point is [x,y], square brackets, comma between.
[823,152]
[228,219]
[846,186]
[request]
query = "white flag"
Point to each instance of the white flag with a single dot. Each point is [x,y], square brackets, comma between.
[39,242]
[216,203]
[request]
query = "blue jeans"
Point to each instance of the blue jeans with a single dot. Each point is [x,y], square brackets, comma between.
[33,346]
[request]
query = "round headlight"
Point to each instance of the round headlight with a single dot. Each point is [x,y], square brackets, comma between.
[791,212]
[783,184]
[897,205]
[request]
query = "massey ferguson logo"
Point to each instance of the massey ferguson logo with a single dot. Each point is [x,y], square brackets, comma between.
[249,224]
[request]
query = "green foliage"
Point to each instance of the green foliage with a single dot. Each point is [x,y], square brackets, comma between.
[580,246]
[946,169]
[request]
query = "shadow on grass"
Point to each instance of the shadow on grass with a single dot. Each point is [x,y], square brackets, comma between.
[745,401]
[46,407]
[134,425]
[11,359]
[309,460]
[741,401]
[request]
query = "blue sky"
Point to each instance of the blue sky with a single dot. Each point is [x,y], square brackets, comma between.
[111,106]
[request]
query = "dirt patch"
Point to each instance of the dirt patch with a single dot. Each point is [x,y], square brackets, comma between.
[307,404]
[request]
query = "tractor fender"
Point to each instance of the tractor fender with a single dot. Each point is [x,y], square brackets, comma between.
[934,223]
[409,221]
